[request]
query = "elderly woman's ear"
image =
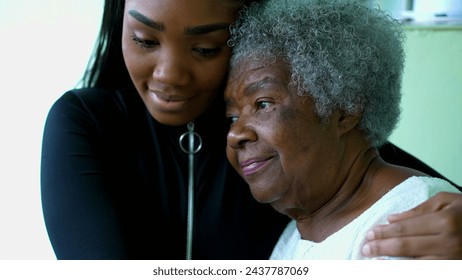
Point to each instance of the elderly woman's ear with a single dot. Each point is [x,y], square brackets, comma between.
[345,122]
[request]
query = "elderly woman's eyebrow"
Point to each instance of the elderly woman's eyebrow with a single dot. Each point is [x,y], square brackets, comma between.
[252,88]
[263,83]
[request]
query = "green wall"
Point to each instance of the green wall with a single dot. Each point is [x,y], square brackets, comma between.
[431,119]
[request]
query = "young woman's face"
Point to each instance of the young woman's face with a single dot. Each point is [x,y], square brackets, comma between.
[177,55]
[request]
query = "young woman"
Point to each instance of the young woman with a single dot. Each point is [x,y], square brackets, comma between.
[135,161]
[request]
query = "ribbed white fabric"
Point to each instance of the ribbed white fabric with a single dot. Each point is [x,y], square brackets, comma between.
[347,242]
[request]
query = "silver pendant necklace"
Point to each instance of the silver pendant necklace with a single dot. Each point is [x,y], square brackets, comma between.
[190,149]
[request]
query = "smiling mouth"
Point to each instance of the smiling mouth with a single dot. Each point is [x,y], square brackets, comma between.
[169,102]
[251,167]
[169,97]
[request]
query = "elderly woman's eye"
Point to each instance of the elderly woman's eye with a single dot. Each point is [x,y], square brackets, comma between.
[263,104]
[232,119]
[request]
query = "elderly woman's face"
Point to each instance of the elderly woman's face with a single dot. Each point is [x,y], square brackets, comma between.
[276,141]
[176,54]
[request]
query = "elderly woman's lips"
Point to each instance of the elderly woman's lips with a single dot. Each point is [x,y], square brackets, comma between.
[250,167]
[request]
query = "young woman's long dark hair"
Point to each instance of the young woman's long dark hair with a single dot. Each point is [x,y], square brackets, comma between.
[106,68]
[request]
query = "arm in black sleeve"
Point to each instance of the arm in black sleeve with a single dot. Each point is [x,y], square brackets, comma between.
[394,155]
[79,212]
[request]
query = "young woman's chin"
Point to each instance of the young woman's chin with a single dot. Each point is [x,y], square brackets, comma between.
[174,113]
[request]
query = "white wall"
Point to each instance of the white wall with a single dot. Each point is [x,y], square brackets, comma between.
[43,52]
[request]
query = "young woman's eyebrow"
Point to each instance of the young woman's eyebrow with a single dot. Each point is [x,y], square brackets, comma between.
[206,28]
[146,21]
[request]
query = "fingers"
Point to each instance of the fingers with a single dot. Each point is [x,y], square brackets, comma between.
[432,230]
[428,236]
[401,239]
[395,247]
[429,224]
[426,247]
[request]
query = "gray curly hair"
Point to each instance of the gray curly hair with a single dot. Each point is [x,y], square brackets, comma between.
[343,54]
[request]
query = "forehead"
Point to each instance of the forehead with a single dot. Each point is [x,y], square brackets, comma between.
[252,71]
[182,10]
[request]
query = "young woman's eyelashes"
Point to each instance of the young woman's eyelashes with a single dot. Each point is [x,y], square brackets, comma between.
[207,52]
[144,44]
[151,44]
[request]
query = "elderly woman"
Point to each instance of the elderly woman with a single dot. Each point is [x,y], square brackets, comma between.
[314,90]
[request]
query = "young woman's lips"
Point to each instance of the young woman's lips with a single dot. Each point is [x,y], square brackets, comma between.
[169,102]
[252,166]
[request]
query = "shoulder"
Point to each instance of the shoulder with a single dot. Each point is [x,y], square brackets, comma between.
[94,110]
[92,100]
[425,186]
[97,104]
[411,192]
[406,195]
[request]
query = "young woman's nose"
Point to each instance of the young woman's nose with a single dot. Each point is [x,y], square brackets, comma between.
[171,69]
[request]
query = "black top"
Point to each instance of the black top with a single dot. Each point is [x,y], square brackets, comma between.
[114,185]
